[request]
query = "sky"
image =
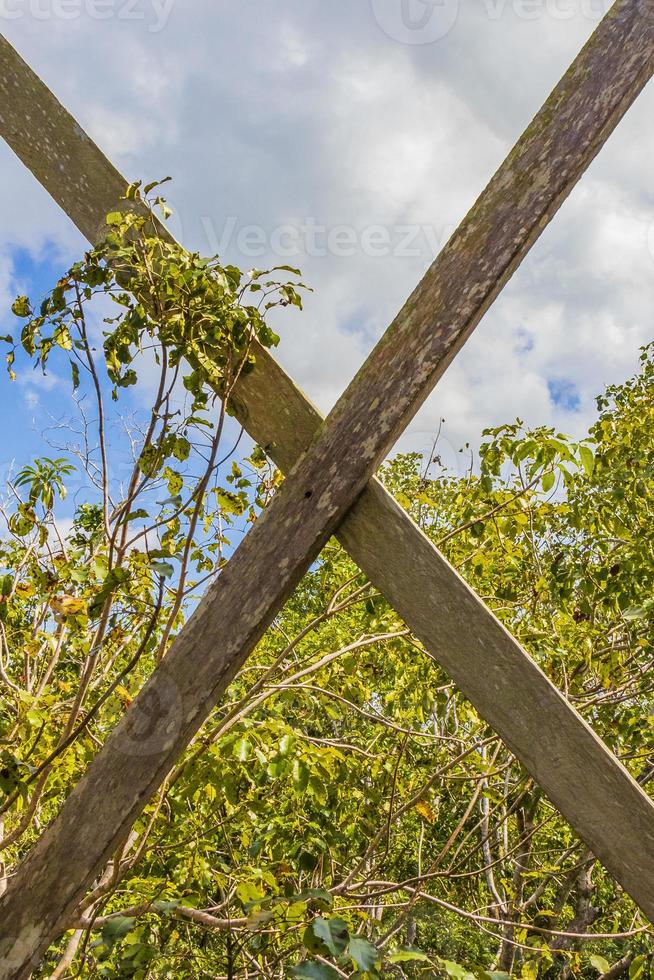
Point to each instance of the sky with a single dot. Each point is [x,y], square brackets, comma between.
[349,138]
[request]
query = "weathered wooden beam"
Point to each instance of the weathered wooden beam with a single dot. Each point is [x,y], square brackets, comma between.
[439,316]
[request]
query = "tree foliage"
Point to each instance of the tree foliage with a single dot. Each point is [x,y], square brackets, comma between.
[345,811]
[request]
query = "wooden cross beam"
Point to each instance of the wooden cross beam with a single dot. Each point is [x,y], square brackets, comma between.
[586,782]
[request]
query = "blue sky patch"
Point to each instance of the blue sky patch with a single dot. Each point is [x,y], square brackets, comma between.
[564,394]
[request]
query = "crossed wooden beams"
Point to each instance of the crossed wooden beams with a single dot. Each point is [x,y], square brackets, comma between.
[330,489]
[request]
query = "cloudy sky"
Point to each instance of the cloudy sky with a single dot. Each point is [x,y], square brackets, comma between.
[350,137]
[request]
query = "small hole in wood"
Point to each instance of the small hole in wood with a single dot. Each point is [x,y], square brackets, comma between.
[309,494]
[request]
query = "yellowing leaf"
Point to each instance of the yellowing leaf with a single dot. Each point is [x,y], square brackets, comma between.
[425,810]
[67,605]
[124,695]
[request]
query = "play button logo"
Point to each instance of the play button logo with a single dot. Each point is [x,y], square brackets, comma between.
[416,21]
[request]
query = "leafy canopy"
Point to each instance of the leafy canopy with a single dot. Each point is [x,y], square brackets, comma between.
[345,811]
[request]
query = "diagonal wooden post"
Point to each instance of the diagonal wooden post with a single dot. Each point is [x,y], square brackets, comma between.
[439,316]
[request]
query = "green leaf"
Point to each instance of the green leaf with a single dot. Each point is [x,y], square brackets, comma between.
[174,480]
[116,929]
[634,613]
[21,307]
[456,971]
[63,338]
[115,578]
[319,896]
[34,718]
[332,932]
[181,448]
[637,967]
[155,183]
[310,970]
[300,775]
[318,790]
[136,515]
[549,480]
[408,956]
[242,750]
[287,268]
[600,964]
[250,893]
[230,502]
[258,919]
[364,954]
[166,907]
[587,460]
[163,568]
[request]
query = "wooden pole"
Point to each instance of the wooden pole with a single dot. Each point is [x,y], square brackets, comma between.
[430,329]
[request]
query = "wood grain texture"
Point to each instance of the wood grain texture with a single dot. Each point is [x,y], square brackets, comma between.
[506,686]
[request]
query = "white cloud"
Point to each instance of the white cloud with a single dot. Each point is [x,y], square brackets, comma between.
[269,116]
[6,279]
